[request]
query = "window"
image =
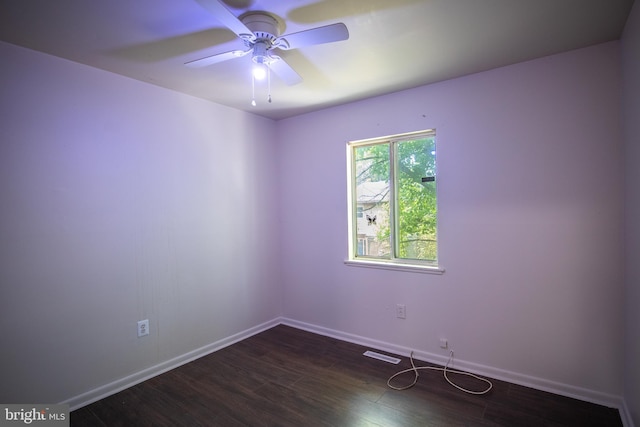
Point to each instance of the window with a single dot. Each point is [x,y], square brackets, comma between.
[392,201]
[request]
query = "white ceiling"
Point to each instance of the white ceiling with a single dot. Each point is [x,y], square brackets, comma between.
[393,44]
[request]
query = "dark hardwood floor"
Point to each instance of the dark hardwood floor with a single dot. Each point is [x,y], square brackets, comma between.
[289,377]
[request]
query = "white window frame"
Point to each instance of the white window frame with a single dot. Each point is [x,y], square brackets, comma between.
[392,263]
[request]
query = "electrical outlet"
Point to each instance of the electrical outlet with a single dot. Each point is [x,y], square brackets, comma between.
[401,311]
[444,343]
[143,328]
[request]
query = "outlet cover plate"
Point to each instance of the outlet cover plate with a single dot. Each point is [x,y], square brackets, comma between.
[143,328]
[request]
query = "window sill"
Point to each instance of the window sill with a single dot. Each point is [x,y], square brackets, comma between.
[389,265]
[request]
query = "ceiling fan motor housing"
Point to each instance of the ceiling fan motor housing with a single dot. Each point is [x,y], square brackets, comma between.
[263,25]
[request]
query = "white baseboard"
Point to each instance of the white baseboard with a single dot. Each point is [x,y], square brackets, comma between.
[148,373]
[625,415]
[611,401]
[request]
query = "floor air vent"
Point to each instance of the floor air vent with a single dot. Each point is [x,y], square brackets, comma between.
[383,357]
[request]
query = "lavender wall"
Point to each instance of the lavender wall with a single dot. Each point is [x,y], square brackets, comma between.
[122,201]
[530,209]
[631,107]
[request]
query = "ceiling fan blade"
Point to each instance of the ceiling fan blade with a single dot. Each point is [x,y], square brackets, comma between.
[214,59]
[225,16]
[327,34]
[284,71]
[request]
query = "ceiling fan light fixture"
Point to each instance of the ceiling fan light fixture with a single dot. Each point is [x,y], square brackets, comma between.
[259,71]
[260,58]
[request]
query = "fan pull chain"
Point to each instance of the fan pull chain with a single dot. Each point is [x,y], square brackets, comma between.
[253,90]
[269,82]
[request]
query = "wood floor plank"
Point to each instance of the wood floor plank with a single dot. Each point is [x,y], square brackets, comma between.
[291,378]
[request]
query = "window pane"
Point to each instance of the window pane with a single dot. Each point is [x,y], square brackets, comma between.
[416,210]
[372,200]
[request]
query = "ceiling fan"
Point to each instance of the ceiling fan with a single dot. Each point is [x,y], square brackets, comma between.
[260,32]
